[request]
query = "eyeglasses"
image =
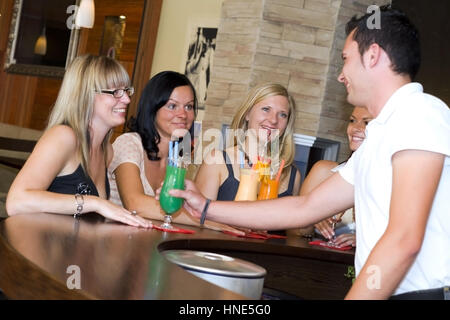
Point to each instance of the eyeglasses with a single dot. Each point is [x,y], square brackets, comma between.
[118,93]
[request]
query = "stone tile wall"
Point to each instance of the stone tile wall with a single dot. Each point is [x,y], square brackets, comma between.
[296,43]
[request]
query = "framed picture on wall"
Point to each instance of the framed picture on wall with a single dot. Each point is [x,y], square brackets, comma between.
[112,36]
[199,60]
[42,38]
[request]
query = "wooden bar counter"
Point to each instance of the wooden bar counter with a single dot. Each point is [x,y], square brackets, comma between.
[41,253]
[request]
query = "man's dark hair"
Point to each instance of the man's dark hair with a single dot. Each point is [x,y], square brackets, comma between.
[398,37]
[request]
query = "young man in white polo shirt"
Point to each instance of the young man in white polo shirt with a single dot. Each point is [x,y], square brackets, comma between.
[398,180]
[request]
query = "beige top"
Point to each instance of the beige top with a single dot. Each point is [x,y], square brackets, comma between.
[128,148]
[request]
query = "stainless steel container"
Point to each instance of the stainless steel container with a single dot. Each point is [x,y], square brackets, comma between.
[237,275]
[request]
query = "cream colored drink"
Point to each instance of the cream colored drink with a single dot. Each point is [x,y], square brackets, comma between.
[248,185]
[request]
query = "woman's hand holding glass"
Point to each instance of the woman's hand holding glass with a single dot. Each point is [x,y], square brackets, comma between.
[345,239]
[326,228]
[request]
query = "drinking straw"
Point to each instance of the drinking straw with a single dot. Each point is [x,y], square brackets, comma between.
[170,152]
[175,154]
[279,170]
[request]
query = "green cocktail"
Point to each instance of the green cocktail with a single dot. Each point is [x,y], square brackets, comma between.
[174,180]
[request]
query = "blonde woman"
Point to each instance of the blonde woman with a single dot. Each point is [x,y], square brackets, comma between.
[66,172]
[344,226]
[267,113]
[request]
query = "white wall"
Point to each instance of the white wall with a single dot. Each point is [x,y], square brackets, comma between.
[178,18]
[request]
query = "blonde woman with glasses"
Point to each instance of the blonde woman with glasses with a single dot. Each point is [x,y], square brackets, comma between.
[66,172]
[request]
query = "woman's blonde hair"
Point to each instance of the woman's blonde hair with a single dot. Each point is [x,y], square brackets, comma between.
[85,77]
[256,95]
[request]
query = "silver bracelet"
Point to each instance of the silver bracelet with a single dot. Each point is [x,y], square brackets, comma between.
[79,201]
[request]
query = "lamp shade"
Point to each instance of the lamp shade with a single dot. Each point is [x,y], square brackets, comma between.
[40,46]
[85,14]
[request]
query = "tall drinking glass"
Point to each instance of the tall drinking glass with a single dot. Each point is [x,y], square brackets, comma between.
[270,183]
[335,219]
[248,185]
[174,179]
[268,189]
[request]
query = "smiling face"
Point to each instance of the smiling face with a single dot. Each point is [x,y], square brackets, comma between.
[108,111]
[272,113]
[353,74]
[177,115]
[356,128]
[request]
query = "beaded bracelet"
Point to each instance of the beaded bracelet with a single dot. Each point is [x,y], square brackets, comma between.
[79,203]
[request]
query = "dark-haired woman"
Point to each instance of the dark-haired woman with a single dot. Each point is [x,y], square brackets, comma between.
[167,107]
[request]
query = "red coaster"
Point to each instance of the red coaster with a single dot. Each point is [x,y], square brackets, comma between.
[322,243]
[267,235]
[174,229]
[276,236]
[250,235]
[255,235]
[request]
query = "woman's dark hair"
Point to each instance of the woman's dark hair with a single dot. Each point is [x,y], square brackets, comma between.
[398,37]
[155,95]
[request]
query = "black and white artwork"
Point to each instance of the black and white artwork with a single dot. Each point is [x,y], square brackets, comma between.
[199,60]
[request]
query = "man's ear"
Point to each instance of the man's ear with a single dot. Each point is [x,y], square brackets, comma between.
[372,55]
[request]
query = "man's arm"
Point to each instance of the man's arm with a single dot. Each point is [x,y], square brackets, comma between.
[319,172]
[208,178]
[415,179]
[333,195]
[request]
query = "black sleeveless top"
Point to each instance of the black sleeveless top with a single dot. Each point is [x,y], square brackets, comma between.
[228,189]
[77,182]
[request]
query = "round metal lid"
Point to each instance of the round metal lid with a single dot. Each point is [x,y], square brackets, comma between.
[214,263]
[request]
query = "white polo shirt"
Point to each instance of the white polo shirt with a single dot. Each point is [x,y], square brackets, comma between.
[410,119]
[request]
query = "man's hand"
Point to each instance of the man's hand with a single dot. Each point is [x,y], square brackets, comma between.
[194,201]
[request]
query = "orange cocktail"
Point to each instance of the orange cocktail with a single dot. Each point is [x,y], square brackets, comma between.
[263,168]
[268,189]
[269,186]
